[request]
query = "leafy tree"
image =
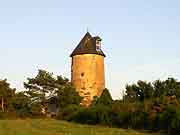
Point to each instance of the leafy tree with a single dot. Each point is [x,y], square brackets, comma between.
[6,93]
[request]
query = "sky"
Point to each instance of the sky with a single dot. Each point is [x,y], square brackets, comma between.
[141,38]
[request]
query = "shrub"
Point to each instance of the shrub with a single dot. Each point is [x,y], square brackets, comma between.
[167,117]
[68,112]
[103,114]
[86,116]
[175,124]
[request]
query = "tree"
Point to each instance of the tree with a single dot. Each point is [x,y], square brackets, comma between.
[21,104]
[172,87]
[159,88]
[66,93]
[6,93]
[43,85]
[145,90]
[140,91]
[104,99]
[131,92]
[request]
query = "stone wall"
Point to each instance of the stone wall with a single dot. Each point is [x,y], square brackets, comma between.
[87,75]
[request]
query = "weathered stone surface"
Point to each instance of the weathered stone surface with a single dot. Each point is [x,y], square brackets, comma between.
[87,75]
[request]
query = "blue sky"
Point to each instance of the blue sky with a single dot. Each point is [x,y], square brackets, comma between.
[140,38]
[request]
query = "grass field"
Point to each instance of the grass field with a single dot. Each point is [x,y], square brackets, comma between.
[55,127]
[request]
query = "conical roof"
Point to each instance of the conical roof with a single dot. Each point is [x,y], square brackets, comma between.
[87,46]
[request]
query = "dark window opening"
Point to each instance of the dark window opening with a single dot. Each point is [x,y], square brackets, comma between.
[82,74]
[98,45]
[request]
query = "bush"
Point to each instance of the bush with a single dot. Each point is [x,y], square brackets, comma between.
[68,112]
[175,124]
[120,119]
[99,114]
[85,116]
[23,113]
[138,120]
[103,114]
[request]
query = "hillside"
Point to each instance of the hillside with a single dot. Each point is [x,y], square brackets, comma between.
[55,127]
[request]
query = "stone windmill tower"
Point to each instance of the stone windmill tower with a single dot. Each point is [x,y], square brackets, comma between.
[87,70]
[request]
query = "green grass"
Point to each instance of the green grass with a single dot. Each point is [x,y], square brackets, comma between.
[55,127]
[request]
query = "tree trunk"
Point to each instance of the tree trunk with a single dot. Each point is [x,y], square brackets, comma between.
[2,104]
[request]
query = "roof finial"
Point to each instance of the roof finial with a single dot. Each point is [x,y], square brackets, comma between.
[87,29]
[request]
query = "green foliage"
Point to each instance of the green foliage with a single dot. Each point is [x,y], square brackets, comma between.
[21,104]
[67,95]
[98,112]
[102,113]
[45,85]
[141,91]
[150,106]
[159,88]
[153,106]
[68,112]
[85,116]
[20,101]
[145,91]
[164,97]
[175,124]
[104,99]
[6,94]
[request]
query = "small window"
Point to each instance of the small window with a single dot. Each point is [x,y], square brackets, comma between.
[82,74]
[98,48]
[98,45]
